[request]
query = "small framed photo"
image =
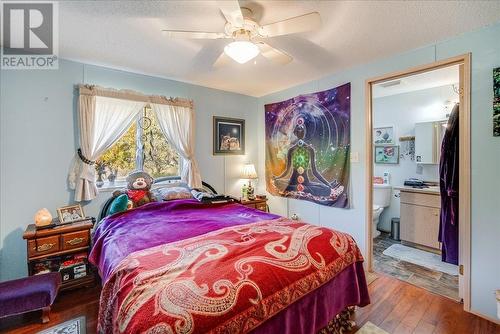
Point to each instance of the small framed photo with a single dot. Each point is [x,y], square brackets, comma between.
[387,154]
[70,213]
[229,136]
[383,135]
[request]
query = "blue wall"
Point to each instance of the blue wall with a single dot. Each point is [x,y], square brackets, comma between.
[484,45]
[37,143]
[39,138]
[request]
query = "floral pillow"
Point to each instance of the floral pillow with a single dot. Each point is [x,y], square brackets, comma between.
[171,193]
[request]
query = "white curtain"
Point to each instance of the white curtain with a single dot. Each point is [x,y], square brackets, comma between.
[177,124]
[103,120]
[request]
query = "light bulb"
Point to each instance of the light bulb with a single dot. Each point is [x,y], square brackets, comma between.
[241,51]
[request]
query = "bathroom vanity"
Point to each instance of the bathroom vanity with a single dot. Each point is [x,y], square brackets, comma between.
[419,221]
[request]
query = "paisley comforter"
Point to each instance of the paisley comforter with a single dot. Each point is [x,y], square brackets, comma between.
[238,270]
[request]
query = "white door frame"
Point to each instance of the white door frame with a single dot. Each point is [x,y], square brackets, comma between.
[464,61]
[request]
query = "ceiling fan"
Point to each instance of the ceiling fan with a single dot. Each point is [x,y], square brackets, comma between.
[248,35]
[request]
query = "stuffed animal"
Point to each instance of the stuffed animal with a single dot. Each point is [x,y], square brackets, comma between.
[138,189]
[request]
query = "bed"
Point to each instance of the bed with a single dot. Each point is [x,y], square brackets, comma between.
[184,266]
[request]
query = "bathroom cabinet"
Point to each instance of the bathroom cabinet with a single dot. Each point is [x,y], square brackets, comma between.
[419,222]
[428,138]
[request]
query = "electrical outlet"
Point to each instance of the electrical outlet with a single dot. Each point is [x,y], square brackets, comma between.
[354,156]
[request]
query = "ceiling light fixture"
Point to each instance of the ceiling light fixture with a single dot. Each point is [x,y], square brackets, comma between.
[242,51]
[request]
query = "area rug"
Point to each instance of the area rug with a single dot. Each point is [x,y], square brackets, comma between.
[422,258]
[73,326]
[370,328]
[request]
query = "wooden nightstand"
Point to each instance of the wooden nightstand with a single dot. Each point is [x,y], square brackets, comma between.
[48,248]
[259,204]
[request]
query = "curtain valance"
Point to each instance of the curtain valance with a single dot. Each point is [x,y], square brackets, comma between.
[126,94]
[106,114]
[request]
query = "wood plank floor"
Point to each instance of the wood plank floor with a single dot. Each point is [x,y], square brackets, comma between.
[397,307]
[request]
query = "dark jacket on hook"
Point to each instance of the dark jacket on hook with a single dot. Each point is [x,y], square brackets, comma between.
[448,183]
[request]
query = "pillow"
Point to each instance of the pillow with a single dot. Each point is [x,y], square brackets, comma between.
[170,193]
[201,195]
[119,204]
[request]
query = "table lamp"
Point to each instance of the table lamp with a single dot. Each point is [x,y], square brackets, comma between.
[248,172]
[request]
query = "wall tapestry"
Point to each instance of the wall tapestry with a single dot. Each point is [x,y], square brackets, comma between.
[308,146]
[496,102]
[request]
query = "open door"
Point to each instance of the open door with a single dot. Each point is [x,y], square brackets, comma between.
[463,64]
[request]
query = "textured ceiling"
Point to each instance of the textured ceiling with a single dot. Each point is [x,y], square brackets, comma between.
[126,35]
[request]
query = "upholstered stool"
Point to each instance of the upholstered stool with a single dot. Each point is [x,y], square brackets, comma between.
[29,294]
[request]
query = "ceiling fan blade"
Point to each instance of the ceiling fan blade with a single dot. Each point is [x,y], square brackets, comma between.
[193,34]
[273,54]
[293,25]
[222,61]
[232,12]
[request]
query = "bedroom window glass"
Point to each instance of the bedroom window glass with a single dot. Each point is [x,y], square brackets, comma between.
[142,147]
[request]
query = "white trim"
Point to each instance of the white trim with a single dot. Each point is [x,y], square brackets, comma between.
[465,173]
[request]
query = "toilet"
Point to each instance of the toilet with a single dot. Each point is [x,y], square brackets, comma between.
[381,200]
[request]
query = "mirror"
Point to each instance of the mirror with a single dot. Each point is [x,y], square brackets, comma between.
[428,138]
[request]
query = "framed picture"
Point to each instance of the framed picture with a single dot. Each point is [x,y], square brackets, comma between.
[229,136]
[387,154]
[70,213]
[383,135]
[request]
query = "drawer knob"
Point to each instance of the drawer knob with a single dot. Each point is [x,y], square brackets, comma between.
[75,241]
[44,247]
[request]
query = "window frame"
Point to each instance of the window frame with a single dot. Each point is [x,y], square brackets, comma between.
[139,152]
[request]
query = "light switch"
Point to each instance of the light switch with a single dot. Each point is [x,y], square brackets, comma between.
[354,156]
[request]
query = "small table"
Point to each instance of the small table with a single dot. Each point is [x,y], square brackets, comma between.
[51,246]
[259,204]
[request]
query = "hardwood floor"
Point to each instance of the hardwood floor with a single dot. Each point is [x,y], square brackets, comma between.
[397,307]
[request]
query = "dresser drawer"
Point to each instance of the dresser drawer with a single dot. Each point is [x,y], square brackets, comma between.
[433,201]
[261,206]
[43,246]
[75,239]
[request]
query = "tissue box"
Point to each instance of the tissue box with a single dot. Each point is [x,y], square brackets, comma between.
[73,272]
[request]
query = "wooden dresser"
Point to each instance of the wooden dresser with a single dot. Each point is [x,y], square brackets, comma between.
[420,211]
[45,247]
[259,204]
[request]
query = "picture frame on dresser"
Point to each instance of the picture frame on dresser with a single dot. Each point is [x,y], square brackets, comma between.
[70,213]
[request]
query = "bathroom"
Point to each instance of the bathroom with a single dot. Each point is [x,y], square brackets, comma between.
[410,119]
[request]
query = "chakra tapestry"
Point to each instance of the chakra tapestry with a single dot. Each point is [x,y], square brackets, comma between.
[308,145]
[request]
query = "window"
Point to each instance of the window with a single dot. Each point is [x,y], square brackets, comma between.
[143,147]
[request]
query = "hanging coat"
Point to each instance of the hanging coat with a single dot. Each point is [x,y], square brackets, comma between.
[448,184]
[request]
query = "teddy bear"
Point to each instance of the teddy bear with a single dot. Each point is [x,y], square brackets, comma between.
[138,189]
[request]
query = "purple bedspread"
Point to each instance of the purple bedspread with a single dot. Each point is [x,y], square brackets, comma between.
[159,223]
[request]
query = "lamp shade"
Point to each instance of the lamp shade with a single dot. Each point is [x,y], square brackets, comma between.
[248,172]
[242,51]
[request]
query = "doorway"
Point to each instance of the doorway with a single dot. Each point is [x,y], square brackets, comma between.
[389,150]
